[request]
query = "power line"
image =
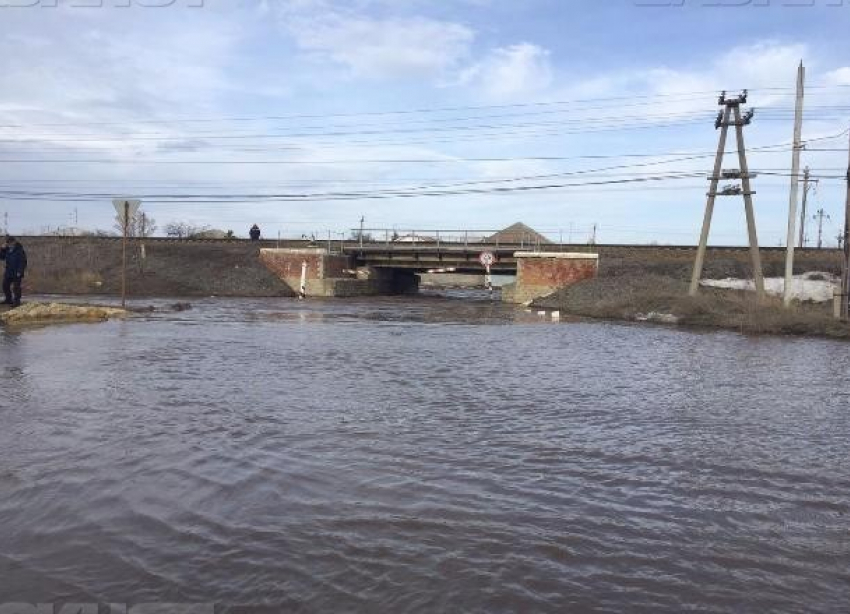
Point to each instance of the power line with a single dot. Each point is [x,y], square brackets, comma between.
[597,123]
[446,160]
[425,191]
[424,110]
[648,98]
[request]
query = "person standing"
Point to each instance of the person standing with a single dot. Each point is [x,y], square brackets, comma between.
[16,266]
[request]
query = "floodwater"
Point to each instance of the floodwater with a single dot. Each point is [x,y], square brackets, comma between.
[421,455]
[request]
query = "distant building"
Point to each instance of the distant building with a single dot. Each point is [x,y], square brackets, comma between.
[518,234]
[212,233]
[67,231]
[414,238]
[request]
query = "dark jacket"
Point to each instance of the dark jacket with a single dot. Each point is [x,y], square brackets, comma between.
[16,260]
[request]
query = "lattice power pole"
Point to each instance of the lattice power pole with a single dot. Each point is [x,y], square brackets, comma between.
[728,117]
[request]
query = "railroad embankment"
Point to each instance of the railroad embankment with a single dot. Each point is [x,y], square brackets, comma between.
[162,268]
[92,266]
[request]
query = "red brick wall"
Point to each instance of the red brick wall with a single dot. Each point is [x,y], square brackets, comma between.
[557,273]
[288,266]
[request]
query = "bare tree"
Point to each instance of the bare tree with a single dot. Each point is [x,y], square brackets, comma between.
[139,225]
[356,236]
[146,226]
[184,230]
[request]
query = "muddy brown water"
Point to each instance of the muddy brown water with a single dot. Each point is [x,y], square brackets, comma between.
[421,455]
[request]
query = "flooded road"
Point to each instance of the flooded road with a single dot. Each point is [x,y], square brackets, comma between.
[422,455]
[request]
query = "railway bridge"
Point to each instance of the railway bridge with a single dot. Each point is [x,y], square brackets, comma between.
[394,267]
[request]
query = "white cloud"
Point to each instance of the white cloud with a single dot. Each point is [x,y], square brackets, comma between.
[109,64]
[374,47]
[761,67]
[840,76]
[517,71]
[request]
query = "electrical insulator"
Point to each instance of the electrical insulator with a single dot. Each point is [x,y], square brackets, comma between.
[719,121]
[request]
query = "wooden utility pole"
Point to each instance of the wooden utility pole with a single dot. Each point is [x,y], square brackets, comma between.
[126,226]
[845,273]
[755,255]
[126,210]
[819,217]
[712,196]
[795,186]
[808,183]
[731,108]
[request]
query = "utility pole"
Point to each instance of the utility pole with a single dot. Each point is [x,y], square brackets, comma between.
[795,185]
[845,273]
[731,107]
[819,216]
[126,226]
[362,222]
[808,184]
[126,210]
[593,235]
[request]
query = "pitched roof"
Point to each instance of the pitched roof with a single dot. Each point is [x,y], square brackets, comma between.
[519,234]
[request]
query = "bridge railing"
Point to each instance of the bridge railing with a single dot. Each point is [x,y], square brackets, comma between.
[397,237]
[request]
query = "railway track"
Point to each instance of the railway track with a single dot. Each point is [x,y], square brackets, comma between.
[380,246]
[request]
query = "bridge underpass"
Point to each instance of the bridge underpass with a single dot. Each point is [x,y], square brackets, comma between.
[363,269]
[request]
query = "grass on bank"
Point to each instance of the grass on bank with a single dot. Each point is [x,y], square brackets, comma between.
[633,297]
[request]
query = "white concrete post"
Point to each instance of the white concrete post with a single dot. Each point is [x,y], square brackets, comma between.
[795,182]
[303,293]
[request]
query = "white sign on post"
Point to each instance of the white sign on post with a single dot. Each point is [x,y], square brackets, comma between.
[126,206]
[487,259]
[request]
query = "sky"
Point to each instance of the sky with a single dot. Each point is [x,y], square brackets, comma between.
[304,116]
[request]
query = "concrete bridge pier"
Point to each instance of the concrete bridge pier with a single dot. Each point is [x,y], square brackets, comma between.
[540,274]
[335,275]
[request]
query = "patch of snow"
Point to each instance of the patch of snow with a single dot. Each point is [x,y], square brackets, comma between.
[816,287]
[660,318]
